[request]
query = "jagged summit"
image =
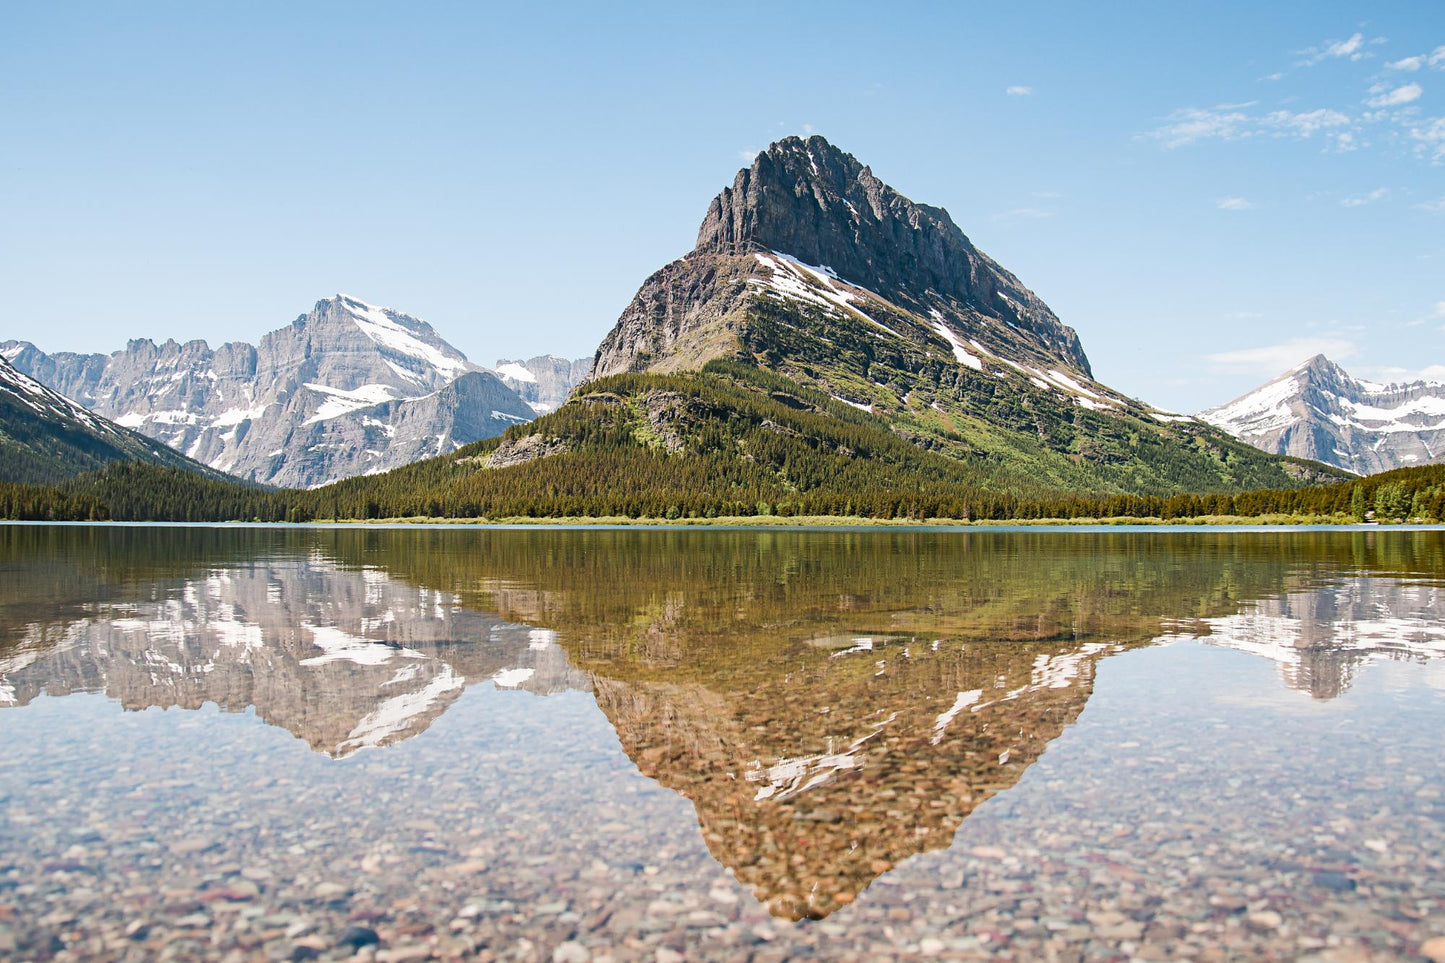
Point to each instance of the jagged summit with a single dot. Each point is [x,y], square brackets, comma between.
[1317,410]
[819,204]
[848,243]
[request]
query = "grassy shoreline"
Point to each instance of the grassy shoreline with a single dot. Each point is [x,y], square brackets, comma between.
[843,521]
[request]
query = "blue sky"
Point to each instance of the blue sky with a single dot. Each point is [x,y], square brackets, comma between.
[1207,193]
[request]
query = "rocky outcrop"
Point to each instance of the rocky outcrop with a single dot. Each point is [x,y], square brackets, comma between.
[544,381]
[1317,411]
[346,389]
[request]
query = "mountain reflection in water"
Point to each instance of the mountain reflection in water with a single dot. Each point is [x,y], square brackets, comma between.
[830,703]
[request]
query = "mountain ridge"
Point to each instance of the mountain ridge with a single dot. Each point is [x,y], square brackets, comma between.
[348,388]
[1317,410]
[46,437]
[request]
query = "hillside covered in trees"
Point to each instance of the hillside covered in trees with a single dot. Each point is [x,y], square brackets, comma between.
[734,442]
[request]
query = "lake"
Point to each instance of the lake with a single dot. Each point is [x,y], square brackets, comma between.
[570,744]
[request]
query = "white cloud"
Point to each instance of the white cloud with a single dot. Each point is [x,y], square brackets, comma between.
[1408,64]
[1233,122]
[1437,57]
[1363,199]
[1440,309]
[1233,204]
[1190,124]
[1334,49]
[1305,123]
[1436,206]
[1273,359]
[1018,91]
[1431,135]
[1390,374]
[1345,48]
[809,129]
[1396,97]
[748,155]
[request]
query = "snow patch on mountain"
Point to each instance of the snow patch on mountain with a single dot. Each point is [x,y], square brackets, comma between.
[399,332]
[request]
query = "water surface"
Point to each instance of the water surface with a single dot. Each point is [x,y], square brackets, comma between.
[538,744]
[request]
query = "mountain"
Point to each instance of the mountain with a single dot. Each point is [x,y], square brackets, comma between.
[544,381]
[1316,410]
[45,437]
[346,389]
[812,268]
[809,227]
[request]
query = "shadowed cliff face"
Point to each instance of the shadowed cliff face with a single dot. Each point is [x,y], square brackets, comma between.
[830,703]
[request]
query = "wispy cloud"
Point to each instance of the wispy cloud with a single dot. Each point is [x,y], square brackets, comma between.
[1362,199]
[1351,48]
[1387,107]
[1390,374]
[1270,360]
[1023,214]
[1430,138]
[1233,204]
[1305,123]
[1018,91]
[748,154]
[1437,206]
[1190,125]
[1396,97]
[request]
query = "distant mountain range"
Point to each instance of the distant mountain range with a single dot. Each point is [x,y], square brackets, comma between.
[349,388]
[45,437]
[1317,411]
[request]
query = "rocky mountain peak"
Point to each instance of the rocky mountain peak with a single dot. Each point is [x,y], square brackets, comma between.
[820,205]
[809,224]
[1318,410]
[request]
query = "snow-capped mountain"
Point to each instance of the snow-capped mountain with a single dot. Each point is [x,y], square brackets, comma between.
[544,381]
[45,436]
[1316,410]
[347,389]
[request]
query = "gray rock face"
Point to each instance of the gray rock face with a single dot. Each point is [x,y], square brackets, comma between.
[347,389]
[1318,411]
[46,437]
[544,381]
[812,202]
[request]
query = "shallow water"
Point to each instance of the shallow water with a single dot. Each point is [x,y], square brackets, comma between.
[552,744]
